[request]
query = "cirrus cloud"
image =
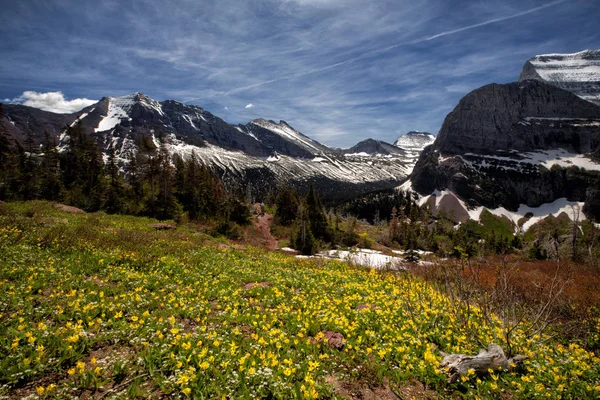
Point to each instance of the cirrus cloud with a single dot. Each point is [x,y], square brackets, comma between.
[249,105]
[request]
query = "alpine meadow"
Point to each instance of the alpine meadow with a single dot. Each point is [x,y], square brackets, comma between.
[424,224]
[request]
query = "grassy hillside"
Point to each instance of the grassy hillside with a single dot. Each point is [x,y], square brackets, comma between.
[99,306]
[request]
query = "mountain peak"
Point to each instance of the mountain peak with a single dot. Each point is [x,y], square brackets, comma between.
[414,140]
[373,147]
[576,72]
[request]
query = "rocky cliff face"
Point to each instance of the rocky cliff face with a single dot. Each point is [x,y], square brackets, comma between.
[526,143]
[524,116]
[578,72]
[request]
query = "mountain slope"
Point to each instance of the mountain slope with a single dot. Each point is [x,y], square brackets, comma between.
[372,147]
[260,155]
[578,72]
[413,143]
[520,144]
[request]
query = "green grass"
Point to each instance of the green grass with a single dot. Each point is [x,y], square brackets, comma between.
[97,305]
[502,227]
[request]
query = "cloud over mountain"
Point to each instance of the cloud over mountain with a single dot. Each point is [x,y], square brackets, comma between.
[52,101]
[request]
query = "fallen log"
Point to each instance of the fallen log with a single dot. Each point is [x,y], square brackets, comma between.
[492,359]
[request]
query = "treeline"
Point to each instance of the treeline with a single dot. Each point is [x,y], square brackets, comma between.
[150,184]
[313,228]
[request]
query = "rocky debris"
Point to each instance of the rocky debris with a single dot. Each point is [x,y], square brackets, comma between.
[252,285]
[365,306]
[334,339]
[365,390]
[162,226]
[70,209]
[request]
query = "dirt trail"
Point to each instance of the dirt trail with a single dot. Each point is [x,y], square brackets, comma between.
[263,224]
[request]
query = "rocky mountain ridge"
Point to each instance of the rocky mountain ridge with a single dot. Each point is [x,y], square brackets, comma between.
[578,72]
[262,154]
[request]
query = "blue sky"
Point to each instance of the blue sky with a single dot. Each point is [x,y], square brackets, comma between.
[340,71]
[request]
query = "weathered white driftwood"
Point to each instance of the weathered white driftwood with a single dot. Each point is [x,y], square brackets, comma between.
[493,359]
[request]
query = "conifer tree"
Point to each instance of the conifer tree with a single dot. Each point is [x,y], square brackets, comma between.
[318,220]
[115,195]
[302,236]
[9,163]
[167,205]
[51,184]
[287,206]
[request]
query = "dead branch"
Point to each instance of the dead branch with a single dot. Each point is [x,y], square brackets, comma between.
[493,359]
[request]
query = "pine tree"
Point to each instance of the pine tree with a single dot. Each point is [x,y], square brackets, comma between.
[135,177]
[28,166]
[302,236]
[115,195]
[9,163]
[318,221]
[167,205]
[287,206]
[51,183]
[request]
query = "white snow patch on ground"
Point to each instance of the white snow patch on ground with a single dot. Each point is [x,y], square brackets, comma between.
[419,252]
[364,257]
[557,207]
[361,154]
[289,250]
[571,208]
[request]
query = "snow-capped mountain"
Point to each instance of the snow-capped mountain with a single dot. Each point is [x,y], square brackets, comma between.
[523,150]
[261,154]
[373,147]
[578,72]
[414,140]
[413,143]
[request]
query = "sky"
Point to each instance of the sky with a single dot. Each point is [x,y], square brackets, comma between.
[340,71]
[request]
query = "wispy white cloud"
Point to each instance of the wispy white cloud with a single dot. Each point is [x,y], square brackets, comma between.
[249,105]
[339,70]
[51,101]
[372,52]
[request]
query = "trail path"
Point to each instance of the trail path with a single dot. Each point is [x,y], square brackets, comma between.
[263,224]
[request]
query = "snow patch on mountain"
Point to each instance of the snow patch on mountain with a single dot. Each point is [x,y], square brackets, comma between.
[414,141]
[533,215]
[287,132]
[576,72]
[82,116]
[583,66]
[118,108]
[546,158]
[247,133]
